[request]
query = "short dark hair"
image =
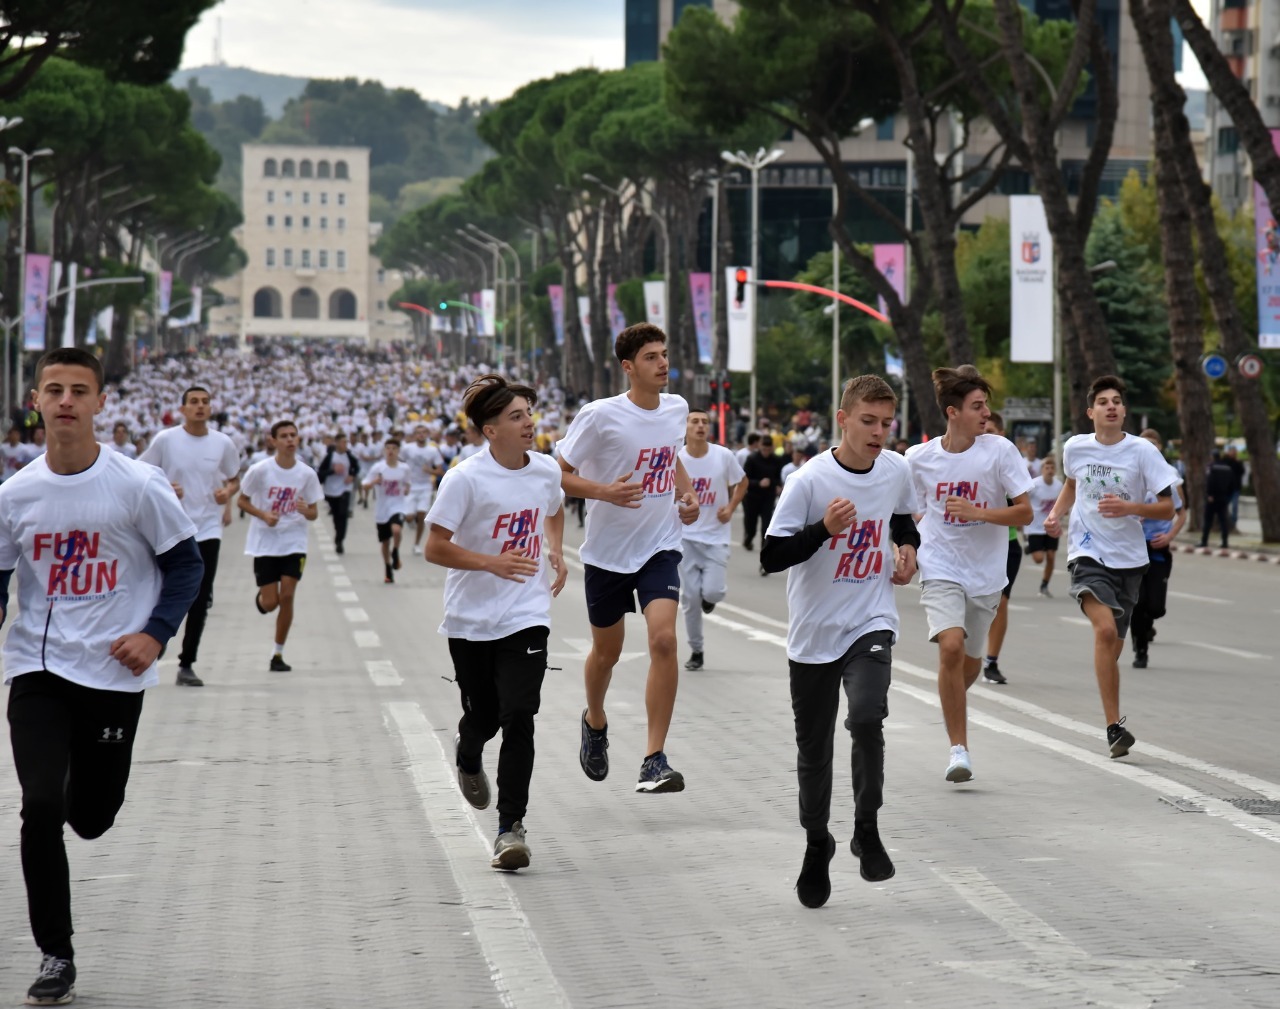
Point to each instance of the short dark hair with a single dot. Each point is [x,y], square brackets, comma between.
[391,441]
[489,395]
[339,435]
[997,420]
[868,389]
[118,425]
[73,356]
[1103,383]
[952,386]
[631,339]
[705,410]
[280,425]
[195,388]
[753,438]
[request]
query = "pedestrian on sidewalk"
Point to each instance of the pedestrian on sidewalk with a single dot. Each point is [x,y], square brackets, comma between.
[389,480]
[281,494]
[1232,458]
[108,566]
[496,516]
[203,467]
[830,529]
[337,474]
[1109,476]
[1154,592]
[1219,487]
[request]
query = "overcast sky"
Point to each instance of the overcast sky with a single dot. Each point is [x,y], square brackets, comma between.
[444,49]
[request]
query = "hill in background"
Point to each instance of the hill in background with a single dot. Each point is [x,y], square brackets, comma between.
[226,83]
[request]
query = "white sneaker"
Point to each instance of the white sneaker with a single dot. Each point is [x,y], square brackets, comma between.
[959,769]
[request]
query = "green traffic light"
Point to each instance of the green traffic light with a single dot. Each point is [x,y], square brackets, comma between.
[444,306]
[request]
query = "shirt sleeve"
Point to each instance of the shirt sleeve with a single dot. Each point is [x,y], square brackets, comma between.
[792,512]
[1157,474]
[9,550]
[154,455]
[312,492]
[581,440]
[1013,471]
[159,516]
[230,460]
[452,502]
[1068,461]
[733,470]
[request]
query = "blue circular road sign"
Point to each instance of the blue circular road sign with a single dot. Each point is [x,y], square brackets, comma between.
[1213,365]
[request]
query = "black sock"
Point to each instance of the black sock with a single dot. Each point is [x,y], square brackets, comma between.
[817,836]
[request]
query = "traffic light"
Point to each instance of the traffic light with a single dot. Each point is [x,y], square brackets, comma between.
[444,306]
[740,278]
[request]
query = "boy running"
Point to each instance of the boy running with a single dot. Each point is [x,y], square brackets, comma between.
[830,529]
[632,544]
[719,483]
[426,465]
[282,495]
[107,568]
[391,479]
[1042,547]
[497,514]
[991,671]
[1109,475]
[971,488]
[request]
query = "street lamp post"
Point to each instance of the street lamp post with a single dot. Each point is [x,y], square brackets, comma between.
[22,246]
[519,281]
[499,285]
[753,164]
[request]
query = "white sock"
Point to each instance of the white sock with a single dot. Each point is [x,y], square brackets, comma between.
[279,648]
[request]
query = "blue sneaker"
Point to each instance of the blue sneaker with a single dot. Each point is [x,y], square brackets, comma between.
[656,775]
[593,754]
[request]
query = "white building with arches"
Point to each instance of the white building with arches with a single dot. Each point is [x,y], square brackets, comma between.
[307,234]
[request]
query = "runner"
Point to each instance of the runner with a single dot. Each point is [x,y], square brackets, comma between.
[203,468]
[426,465]
[391,478]
[843,621]
[120,440]
[1153,595]
[964,482]
[496,516]
[1043,547]
[1107,552]
[107,566]
[13,454]
[337,473]
[632,544]
[762,489]
[281,495]
[719,483]
[367,453]
[1000,625]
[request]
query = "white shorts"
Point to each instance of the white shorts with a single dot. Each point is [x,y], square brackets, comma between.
[419,500]
[947,605]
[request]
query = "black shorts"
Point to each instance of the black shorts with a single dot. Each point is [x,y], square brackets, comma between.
[1038,543]
[384,528]
[611,595]
[269,570]
[1011,566]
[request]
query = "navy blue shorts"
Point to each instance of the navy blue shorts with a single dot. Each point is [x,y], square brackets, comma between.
[611,595]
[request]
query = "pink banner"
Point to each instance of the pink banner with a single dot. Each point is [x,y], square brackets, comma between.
[1268,267]
[556,293]
[36,301]
[617,321]
[703,315]
[890,261]
[166,292]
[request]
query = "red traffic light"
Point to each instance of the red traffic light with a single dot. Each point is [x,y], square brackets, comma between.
[740,278]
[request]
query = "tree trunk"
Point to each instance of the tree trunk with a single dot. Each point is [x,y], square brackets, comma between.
[1175,145]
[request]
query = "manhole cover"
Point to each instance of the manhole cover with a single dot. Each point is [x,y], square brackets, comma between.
[1259,807]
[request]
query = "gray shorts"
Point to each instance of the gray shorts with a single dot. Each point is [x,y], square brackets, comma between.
[1116,588]
[947,605]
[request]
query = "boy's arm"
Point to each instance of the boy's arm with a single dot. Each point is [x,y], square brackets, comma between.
[1066,501]
[553,533]
[620,492]
[513,565]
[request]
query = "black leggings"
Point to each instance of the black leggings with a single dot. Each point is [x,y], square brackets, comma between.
[199,612]
[340,509]
[72,749]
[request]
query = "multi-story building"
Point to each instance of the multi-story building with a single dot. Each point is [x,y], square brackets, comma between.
[306,233]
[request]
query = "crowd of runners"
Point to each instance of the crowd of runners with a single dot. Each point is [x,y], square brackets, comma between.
[113,520]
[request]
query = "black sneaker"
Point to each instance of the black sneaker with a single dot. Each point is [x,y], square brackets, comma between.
[708,607]
[748,545]
[389,578]
[187,677]
[656,775]
[395,558]
[1140,660]
[813,886]
[695,661]
[874,862]
[593,754]
[991,673]
[1120,739]
[278,665]
[56,983]
[337,548]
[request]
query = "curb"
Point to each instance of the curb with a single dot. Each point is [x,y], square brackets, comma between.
[1239,555]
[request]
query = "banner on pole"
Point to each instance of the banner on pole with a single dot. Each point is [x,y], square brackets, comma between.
[69,319]
[36,301]
[742,320]
[165,292]
[703,324]
[654,296]
[890,261]
[489,309]
[477,318]
[617,321]
[197,306]
[101,326]
[1268,265]
[584,317]
[1031,277]
[556,293]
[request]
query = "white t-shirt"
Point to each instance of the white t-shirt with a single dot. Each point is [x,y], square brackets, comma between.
[84,547]
[272,488]
[491,509]
[390,495]
[335,484]
[128,449]
[1043,497]
[1130,469]
[972,554]
[1034,466]
[610,437]
[714,476]
[844,590]
[12,459]
[421,459]
[199,465]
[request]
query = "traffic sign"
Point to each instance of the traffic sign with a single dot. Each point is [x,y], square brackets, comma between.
[1249,365]
[1213,365]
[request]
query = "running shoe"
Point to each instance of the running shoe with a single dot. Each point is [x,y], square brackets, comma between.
[473,786]
[959,769]
[695,661]
[1044,592]
[187,677]
[873,861]
[395,558]
[813,885]
[1120,739]
[1140,660]
[708,607]
[278,665]
[388,578]
[656,775]
[56,983]
[511,850]
[991,673]
[593,754]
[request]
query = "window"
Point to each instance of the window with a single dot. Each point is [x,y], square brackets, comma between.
[304,169]
[271,257]
[382,276]
[322,170]
[271,220]
[288,196]
[266,303]
[884,129]
[324,223]
[342,304]
[269,168]
[288,220]
[305,304]
[306,221]
[271,196]
[340,170]
[306,197]
[287,168]
[342,223]
[342,199]
[340,259]
[1228,140]
[306,259]
[324,197]
[381,305]
[323,256]
[288,257]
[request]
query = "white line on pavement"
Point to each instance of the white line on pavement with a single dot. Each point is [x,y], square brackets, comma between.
[341,582]
[1200,599]
[367,639]
[383,673]
[356,615]
[516,962]
[758,617]
[1239,653]
[335,568]
[1082,621]
[347,597]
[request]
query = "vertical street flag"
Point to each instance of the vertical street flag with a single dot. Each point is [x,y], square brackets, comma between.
[617,321]
[36,301]
[69,320]
[489,307]
[654,290]
[1031,278]
[556,293]
[891,262]
[1268,266]
[197,306]
[584,317]
[742,320]
[477,318]
[703,323]
[100,330]
[164,293]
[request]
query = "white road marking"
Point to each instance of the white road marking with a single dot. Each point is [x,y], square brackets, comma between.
[383,673]
[758,617]
[581,646]
[347,597]
[517,965]
[336,569]
[1200,599]
[1239,653]
[356,615]
[367,639]
[1082,621]
[341,582]
[1020,609]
